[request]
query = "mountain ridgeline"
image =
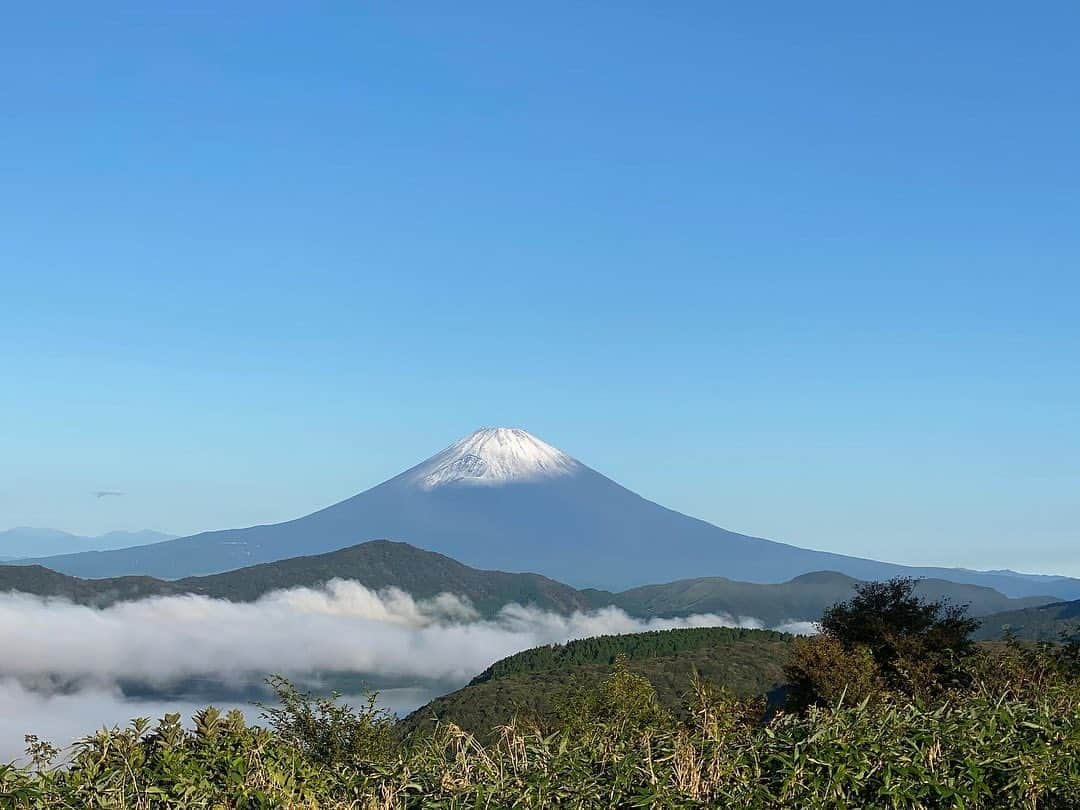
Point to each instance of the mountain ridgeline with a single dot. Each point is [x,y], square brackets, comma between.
[424,574]
[501,498]
[1056,621]
[29,541]
[377,565]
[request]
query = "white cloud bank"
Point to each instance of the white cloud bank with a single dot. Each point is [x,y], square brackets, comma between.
[342,626]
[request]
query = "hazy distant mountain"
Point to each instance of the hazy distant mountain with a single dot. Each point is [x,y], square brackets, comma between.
[803,598]
[1043,623]
[501,498]
[28,541]
[424,574]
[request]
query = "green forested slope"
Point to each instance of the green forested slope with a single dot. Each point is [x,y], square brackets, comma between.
[531,683]
[603,650]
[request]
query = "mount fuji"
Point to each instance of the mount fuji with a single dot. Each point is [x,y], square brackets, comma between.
[502,498]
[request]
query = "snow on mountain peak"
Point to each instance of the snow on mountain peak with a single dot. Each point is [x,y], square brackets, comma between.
[494,456]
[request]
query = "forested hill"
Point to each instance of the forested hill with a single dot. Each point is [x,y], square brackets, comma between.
[377,564]
[534,683]
[603,650]
[40,581]
[382,564]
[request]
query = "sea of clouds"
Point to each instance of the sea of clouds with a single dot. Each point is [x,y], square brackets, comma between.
[61,663]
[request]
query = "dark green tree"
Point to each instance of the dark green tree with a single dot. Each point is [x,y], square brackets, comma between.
[907,636]
[916,647]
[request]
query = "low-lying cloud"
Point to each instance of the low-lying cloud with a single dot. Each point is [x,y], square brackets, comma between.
[342,626]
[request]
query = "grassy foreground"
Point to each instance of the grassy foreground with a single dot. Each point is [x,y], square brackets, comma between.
[1009,738]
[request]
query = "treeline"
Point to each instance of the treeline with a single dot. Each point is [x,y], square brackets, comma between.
[605,650]
[746,663]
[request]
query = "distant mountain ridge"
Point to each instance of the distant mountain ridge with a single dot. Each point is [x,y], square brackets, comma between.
[31,541]
[1050,622]
[377,565]
[424,574]
[801,598]
[502,499]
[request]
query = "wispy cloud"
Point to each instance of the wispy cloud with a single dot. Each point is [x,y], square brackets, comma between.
[107,493]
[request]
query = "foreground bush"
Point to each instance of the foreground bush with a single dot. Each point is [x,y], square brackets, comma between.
[1010,739]
[884,639]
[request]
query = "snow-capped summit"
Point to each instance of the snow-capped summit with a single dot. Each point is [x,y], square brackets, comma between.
[501,499]
[494,456]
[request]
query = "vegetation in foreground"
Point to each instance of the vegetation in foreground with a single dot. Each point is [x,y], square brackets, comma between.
[892,708]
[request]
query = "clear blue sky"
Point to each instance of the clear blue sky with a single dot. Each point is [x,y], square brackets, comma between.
[808,271]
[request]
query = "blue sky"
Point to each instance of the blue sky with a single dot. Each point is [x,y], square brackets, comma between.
[808,271]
